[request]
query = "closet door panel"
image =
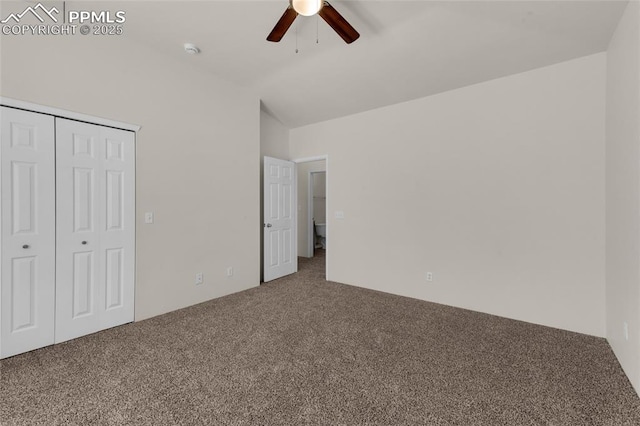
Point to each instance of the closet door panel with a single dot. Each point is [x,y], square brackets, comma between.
[95,228]
[118,233]
[27,266]
[78,171]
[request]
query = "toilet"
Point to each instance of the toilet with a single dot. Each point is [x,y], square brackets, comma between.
[321,231]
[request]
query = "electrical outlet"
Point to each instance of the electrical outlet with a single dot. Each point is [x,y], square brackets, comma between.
[625,330]
[230,271]
[199,278]
[429,276]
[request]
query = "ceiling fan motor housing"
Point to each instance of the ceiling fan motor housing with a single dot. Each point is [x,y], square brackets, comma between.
[307,7]
[322,8]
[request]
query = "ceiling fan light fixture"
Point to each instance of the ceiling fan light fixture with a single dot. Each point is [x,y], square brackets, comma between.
[307,7]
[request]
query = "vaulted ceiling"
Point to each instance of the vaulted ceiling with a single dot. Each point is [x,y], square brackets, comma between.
[407,49]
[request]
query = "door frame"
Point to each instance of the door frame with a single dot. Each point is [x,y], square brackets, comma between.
[324,157]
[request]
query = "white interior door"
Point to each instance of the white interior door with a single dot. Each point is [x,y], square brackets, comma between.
[27,290]
[280,224]
[117,234]
[95,228]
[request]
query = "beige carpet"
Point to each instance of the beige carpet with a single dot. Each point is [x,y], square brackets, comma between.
[301,350]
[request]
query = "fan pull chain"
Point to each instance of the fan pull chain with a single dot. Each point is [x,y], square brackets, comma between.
[317,37]
[296,37]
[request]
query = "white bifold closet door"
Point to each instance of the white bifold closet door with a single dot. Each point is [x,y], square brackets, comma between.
[68,232]
[95,237]
[27,293]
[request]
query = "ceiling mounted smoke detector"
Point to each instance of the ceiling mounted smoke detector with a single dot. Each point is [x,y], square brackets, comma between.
[191,48]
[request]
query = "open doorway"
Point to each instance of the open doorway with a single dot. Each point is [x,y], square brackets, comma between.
[313,202]
[317,208]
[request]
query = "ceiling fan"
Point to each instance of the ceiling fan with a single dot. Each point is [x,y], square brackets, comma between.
[309,8]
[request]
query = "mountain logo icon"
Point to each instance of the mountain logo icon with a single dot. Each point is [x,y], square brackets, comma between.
[43,11]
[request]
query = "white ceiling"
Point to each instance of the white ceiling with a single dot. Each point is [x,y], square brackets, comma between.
[407,49]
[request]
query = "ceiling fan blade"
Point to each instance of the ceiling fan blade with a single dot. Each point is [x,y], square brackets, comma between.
[338,23]
[283,25]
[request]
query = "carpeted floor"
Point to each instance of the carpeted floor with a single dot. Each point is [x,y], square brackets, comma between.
[301,350]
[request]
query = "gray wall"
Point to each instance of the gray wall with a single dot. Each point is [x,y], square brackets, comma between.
[496,188]
[197,156]
[623,192]
[319,197]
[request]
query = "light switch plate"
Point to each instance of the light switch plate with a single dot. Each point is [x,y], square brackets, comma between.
[148,217]
[339,214]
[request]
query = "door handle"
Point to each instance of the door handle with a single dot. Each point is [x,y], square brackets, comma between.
[268,225]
